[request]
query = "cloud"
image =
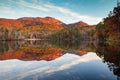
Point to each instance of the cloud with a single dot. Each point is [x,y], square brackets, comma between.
[31,5]
[86,18]
[7,10]
[37,7]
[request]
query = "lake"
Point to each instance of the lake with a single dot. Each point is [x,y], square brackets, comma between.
[46,60]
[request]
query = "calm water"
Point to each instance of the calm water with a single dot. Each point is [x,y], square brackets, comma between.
[44,60]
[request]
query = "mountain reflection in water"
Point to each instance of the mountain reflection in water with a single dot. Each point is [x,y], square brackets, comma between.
[45,60]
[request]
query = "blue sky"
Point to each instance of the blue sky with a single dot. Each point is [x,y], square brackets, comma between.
[68,11]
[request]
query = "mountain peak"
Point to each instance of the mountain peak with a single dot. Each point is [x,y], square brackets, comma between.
[79,24]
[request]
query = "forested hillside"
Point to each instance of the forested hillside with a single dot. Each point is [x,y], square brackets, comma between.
[109,29]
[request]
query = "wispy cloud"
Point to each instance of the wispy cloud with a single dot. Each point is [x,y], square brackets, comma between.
[7,10]
[86,18]
[31,5]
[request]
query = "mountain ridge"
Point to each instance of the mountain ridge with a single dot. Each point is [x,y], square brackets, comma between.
[33,21]
[78,24]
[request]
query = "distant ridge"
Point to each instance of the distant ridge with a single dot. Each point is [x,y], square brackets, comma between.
[78,24]
[39,21]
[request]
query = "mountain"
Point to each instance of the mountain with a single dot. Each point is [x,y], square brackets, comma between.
[37,21]
[78,24]
[30,22]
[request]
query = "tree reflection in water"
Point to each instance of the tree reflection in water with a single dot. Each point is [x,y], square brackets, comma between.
[110,55]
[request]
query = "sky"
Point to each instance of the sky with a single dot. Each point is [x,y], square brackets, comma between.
[67,11]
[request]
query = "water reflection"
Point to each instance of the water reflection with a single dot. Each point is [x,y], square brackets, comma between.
[111,56]
[45,60]
[29,51]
